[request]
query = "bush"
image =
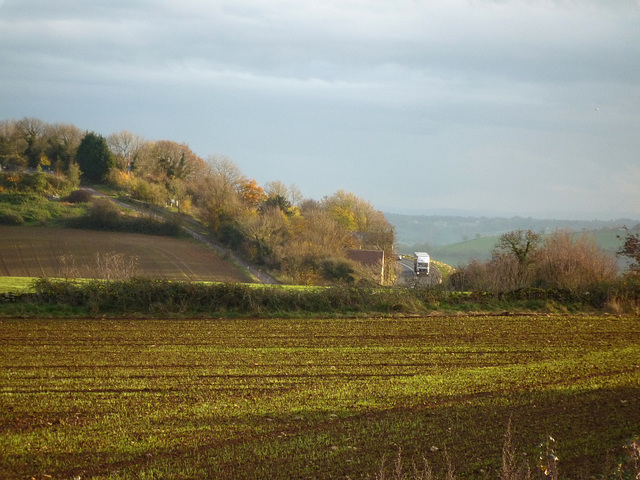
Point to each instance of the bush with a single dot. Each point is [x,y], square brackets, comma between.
[576,265]
[231,235]
[79,196]
[147,192]
[11,218]
[104,214]
[337,270]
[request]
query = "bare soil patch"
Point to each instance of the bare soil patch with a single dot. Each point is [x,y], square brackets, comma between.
[38,252]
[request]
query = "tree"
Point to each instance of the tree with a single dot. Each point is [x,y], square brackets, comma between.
[11,145]
[94,158]
[31,131]
[74,174]
[62,144]
[631,250]
[572,263]
[216,192]
[370,227]
[125,147]
[291,194]
[519,243]
[266,232]
[280,202]
[252,194]
[176,160]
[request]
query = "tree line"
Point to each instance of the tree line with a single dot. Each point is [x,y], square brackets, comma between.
[304,241]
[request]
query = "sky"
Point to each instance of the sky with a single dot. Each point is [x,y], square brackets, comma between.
[463,107]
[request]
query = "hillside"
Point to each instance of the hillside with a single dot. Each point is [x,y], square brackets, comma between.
[55,252]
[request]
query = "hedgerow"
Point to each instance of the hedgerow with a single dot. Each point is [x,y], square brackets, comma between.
[157,296]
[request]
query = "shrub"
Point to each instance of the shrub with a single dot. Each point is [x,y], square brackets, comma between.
[571,264]
[147,191]
[11,218]
[104,214]
[337,270]
[231,235]
[35,182]
[79,196]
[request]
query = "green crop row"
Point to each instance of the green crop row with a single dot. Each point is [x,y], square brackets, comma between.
[313,398]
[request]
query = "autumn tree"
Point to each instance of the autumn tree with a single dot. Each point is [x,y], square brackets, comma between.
[94,158]
[266,233]
[252,193]
[369,226]
[314,236]
[216,192]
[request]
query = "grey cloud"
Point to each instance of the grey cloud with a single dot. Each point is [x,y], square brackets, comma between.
[497,98]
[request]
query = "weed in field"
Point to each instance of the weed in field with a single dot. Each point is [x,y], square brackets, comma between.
[547,466]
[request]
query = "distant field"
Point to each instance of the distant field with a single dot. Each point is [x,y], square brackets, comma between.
[480,248]
[41,252]
[313,398]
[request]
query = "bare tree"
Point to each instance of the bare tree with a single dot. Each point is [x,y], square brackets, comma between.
[631,250]
[31,131]
[291,193]
[125,147]
[11,145]
[519,243]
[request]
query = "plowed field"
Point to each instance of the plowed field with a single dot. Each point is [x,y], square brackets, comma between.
[41,252]
[322,399]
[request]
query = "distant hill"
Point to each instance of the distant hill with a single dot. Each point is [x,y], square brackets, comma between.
[457,240]
[436,230]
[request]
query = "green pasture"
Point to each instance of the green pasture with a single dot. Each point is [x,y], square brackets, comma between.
[313,398]
[480,248]
[25,285]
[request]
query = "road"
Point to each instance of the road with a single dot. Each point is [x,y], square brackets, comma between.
[408,278]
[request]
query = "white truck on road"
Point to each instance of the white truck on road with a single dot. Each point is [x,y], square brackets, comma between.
[421,263]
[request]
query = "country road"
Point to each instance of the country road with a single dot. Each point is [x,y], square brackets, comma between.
[408,278]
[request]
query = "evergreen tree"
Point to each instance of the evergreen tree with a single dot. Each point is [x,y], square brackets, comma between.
[94,158]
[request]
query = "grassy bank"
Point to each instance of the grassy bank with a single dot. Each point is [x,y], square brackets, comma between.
[313,398]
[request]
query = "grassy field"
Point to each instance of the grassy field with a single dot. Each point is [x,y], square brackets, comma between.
[41,252]
[480,248]
[313,398]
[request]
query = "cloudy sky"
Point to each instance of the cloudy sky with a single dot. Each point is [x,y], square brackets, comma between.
[504,107]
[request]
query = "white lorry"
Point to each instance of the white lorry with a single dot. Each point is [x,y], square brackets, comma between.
[421,263]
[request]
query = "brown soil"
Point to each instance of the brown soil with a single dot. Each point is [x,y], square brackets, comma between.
[38,252]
